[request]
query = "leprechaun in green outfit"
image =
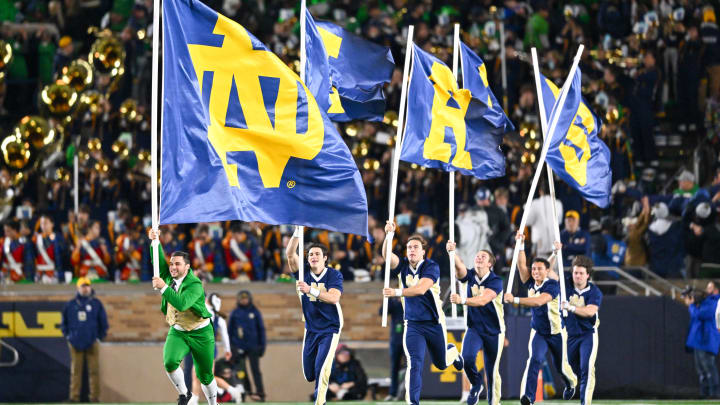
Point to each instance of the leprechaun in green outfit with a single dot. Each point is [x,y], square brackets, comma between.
[183,303]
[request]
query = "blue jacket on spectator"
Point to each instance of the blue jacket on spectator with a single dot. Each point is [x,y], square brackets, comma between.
[246,329]
[574,244]
[84,321]
[609,251]
[703,333]
[666,250]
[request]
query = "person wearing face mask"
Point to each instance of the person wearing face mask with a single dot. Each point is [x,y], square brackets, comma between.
[247,339]
[84,323]
[547,332]
[485,323]
[665,243]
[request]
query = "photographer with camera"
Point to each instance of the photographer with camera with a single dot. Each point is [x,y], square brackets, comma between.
[704,337]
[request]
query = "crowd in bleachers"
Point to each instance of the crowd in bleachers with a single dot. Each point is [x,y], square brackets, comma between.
[651,72]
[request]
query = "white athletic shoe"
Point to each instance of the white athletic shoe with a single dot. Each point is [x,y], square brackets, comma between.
[236,393]
[193,400]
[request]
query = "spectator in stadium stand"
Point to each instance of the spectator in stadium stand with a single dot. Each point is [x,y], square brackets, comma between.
[539,219]
[538,29]
[240,253]
[90,256]
[689,75]
[614,18]
[498,224]
[666,248]
[635,227]
[687,188]
[575,241]
[247,341]
[714,188]
[65,26]
[64,54]
[704,338]
[17,256]
[502,197]
[707,236]
[84,324]
[607,248]
[49,247]
[205,252]
[348,380]
[642,120]
[710,37]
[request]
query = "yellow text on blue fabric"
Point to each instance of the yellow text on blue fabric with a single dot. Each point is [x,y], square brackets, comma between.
[273,138]
[449,107]
[583,124]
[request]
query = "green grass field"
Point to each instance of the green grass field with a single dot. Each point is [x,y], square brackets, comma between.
[506,402]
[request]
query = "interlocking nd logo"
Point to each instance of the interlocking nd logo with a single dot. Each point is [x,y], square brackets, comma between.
[582,125]
[448,114]
[256,104]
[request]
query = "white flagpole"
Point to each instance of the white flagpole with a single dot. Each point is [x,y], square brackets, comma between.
[395,164]
[301,240]
[551,180]
[76,187]
[541,161]
[157,30]
[503,66]
[451,191]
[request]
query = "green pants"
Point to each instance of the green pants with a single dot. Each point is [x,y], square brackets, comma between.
[201,345]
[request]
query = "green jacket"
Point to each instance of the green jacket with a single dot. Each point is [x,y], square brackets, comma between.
[190,294]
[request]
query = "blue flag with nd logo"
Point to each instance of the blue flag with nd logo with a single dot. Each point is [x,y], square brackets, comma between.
[576,152]
[345,72]
[474,75]
[447,127]
[243,138]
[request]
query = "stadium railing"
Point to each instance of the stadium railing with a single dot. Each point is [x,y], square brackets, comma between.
[672,289]
[626,280]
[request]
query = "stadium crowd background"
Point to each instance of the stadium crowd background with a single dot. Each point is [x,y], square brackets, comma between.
[651,72]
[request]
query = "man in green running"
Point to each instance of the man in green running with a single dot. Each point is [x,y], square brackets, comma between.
[183,303]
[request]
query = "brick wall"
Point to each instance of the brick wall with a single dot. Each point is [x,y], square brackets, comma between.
[134,310]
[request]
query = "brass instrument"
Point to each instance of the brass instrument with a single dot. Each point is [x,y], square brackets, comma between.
[107,56]
[102,166]
[61,174]
[36,131]
[91,101]
[94,144]
[15,152]
[129,111]
[120,149]
[391,118]
[78,75]
[352,129]
[6,55]
[144,156]
[58,99]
